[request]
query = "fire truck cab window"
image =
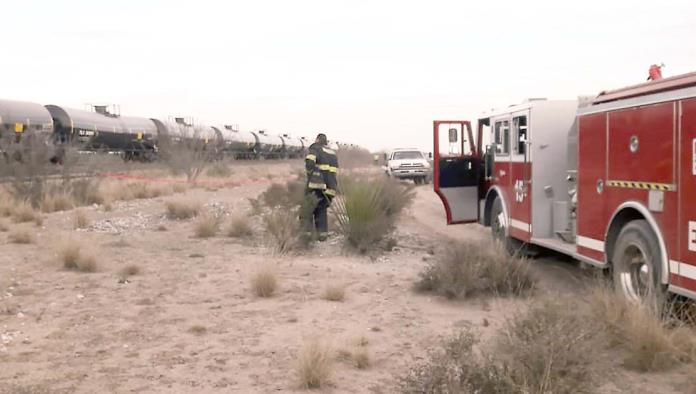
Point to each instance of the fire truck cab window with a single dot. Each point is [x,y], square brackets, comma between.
[520,132]
[502,138]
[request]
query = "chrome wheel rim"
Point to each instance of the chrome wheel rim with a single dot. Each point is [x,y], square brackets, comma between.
[636,273]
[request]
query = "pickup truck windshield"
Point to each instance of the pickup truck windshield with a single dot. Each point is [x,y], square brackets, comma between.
[407,155]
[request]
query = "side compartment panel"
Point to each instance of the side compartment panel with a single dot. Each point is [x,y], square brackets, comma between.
[592,156]
[647,127]
[686,257]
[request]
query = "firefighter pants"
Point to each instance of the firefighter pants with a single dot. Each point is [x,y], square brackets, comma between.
[319,221]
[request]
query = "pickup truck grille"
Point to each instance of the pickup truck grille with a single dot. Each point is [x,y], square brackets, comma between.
[411,165]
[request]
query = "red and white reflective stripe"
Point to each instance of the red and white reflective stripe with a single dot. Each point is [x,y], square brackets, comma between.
[682,269]
[591,243]
[520,225]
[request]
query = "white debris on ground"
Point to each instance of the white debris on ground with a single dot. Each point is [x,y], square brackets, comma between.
[136,221]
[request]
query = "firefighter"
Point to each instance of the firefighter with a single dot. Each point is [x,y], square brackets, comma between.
[321,164]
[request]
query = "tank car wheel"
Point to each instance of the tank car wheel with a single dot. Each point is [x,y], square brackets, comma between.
[636,264]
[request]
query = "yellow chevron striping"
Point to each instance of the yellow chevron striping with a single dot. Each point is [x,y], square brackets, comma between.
[642,185]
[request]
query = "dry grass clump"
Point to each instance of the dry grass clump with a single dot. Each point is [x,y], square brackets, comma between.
[219,170]
[289,195]
[23,212]
[130,270]
[562,345]
[456,368]
[334,292]
[198,329]
[649,343]
[470,268]
[182,209]
[359,357]
[314,365]
[80,219]
[551,348]
[367,209]
[264,282]
[59,201]
[240,227]
[284,228]
[207,226]
[73,258]
[21,236]
[86,191]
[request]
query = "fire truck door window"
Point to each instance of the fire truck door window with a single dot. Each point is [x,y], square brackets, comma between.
[519,125]
[451,139]
[502,138]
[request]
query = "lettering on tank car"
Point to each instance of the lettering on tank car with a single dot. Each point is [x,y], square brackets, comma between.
[692,236]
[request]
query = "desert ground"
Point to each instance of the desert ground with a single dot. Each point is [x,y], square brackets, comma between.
[188,321]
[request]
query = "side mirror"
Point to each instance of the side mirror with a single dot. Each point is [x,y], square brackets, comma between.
[430,155]
[452,135]
[489,159]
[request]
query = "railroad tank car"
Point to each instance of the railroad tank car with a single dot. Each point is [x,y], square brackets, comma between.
[269,146]
[103,131]
[20,118]
[239,144]
[293,147]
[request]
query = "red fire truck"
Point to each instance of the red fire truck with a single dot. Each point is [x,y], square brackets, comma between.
[609,180]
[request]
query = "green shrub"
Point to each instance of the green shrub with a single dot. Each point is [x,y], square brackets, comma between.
[367,209]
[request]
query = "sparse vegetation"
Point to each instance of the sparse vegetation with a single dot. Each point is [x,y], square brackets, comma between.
[198,329]
[23,212]
[188,156]
[219,170]
[334,292]
[3,226]
[361,358]
[58,201]
[264,282]
[207,226]
[21,236]
[469,268]
[314,365]
[649,343]
[73,258]
[130,270]
[368,208]
[284,228]
[182,209]
[557,346]
[80,219]
[240,227]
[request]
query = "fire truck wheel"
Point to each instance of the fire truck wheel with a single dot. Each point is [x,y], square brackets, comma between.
[636,263]
[511,245]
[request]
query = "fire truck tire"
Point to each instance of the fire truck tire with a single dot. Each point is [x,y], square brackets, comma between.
[636,264]
[498,230]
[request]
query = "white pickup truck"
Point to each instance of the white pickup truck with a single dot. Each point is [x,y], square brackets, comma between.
[408,164]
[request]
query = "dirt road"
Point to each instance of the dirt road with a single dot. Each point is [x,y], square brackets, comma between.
[189,322]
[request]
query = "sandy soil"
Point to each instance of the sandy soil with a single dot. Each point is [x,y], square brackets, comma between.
[189,323]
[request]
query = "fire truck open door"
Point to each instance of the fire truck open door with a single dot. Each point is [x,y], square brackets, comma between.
[456,170]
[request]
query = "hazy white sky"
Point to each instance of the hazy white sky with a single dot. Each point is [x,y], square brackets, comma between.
[374,73]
